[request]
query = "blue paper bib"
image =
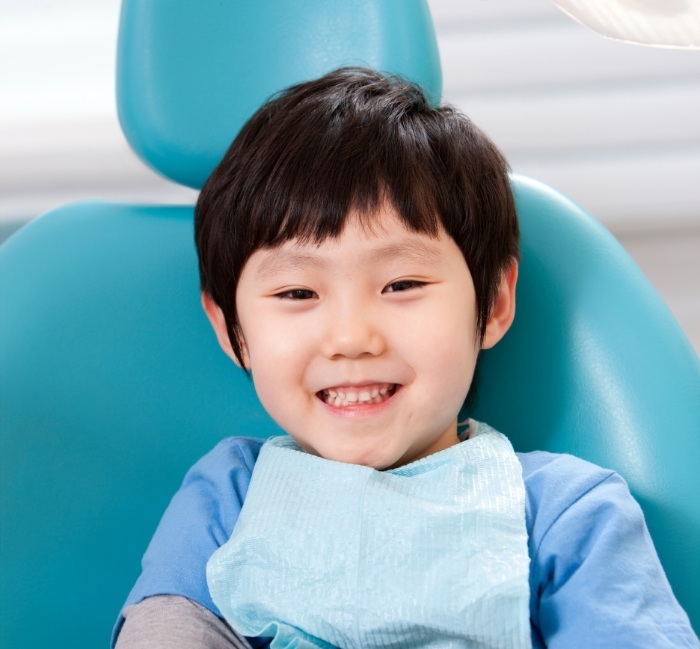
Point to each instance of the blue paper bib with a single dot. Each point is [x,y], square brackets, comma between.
[432,554]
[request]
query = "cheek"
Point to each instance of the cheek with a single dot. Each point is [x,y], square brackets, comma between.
[450,353]
[278,363]
[271,341]
[452,371]
[274,388]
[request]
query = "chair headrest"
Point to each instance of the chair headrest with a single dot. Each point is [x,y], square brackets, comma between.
[191,72]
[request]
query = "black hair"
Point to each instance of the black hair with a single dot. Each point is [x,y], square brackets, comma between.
[347,143]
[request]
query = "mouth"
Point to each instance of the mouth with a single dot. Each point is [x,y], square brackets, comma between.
[348,396]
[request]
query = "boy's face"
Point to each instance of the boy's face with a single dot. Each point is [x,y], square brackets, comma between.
[363,347]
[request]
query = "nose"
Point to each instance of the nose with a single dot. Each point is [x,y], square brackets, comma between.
[352,334]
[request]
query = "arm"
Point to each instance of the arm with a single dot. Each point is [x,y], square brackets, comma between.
[597,581]
[172,622]
[198,520]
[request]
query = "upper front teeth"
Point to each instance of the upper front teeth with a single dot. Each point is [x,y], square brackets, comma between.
[340,398]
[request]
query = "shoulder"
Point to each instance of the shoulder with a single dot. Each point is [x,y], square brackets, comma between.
[211,495]
[556,484]
[552,468]
[230,456]
[556,481]
[217,483]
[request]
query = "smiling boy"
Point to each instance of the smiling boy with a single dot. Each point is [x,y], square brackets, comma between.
[358,248]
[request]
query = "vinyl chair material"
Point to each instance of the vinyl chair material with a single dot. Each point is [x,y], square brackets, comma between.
[112,384]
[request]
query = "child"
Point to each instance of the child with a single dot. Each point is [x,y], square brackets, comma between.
[358,248]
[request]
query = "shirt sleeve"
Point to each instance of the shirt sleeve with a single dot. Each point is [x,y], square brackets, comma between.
[172,622]
[596,580]
[198,520]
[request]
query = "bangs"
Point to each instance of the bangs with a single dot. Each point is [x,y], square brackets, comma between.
[319,180]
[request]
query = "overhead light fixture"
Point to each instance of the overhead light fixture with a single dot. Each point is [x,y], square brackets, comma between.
[660,23]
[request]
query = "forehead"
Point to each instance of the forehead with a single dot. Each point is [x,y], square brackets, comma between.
[383,238]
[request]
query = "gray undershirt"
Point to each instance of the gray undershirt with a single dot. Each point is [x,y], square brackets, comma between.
[175,622]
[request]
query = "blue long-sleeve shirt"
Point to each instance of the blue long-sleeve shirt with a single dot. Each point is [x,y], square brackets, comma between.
[595,579]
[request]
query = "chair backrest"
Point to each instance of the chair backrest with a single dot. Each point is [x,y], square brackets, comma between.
[111,382]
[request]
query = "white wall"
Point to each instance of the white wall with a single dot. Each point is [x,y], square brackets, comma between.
[59,136]
[614,126]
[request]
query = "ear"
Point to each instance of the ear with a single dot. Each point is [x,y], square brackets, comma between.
[503,310]
[218,323]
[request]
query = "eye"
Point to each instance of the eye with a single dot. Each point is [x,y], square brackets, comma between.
[403,285]
[296,294]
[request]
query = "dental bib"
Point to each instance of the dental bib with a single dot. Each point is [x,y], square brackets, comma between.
[431,554]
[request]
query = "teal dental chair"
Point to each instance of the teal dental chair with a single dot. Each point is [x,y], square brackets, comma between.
[112,384]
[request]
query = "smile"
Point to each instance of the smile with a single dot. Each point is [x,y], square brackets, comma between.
[344,397]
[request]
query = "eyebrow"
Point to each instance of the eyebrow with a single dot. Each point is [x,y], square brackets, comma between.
[410,250]
[286,260]
[290,260]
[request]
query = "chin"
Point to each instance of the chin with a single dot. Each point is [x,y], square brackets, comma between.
[368,459]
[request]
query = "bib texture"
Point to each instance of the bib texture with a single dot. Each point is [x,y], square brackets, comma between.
[431,554]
